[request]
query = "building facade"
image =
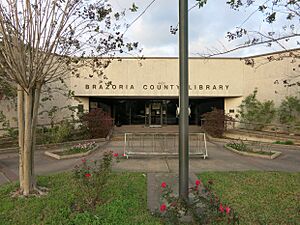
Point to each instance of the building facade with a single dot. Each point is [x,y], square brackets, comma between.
[146,91]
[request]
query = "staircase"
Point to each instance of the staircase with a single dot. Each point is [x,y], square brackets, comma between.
[118,133]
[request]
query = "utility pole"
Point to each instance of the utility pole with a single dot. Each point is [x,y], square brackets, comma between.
[183,101]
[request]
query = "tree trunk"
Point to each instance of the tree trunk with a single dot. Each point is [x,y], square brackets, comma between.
[27,185]
[21,134]
[36,97]
[28,104]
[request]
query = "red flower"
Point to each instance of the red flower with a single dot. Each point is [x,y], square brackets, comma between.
[163,207]
[163,185]
[116,154]
[87,175]
[227,210]
[198,182]
[221,208]
[124,155]
[83,160]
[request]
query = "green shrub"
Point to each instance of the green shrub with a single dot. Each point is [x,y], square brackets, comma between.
[56,134]
[288,142]
[255,114]
[289,110]
[240,146]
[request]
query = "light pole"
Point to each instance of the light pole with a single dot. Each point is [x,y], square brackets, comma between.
[183,100]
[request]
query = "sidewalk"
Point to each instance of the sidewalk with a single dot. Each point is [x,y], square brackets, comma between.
[219,159]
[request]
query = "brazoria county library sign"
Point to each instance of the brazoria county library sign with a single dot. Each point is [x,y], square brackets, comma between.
[156,87]
[150,89]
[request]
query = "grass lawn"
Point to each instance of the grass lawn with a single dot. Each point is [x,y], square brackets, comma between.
[258,197]
[125,203]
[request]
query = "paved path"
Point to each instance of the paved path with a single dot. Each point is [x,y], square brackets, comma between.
[219,159]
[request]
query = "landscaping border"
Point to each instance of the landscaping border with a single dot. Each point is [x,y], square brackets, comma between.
[77,155]
[274,155]
[59,145]
[228,140]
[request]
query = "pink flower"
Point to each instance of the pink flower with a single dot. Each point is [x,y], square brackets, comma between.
[221,208]
[163,185]
[198,182]
[87,175]
[83,160]
[227,210]
[116,154]
[124,155]
[163,207]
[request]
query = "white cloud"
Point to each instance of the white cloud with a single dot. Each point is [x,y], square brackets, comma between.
[208,27]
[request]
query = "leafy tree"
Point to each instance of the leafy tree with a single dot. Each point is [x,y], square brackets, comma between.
[43,41]
[289,110]
[256,114]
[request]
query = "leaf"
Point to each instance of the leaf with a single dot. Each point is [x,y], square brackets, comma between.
[133,8]
[201,3]
[271,18]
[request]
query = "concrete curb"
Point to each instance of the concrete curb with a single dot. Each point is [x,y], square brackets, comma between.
[58,145]
[273,156]
[228,140]
[59,157]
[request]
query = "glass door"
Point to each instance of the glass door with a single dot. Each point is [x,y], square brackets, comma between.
[156,114]
[153,114]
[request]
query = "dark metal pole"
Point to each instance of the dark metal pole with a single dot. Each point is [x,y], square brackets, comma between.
[183,101]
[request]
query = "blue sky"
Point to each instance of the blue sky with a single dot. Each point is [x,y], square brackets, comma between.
[208,27]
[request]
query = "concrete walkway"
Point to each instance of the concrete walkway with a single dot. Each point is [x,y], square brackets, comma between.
[219,159]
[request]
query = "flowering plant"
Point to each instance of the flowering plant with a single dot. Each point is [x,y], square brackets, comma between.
[91,176]
[82,147]
[204,205]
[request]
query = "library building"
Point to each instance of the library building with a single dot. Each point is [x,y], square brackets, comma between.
[146,91]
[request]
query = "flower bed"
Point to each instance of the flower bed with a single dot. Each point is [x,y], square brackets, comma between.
[78,150]
[248,150]
[204,206]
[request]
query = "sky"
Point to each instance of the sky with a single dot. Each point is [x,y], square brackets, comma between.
[208,27]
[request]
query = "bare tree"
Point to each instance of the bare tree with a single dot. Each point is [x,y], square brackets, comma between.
[279,26]
[42,41]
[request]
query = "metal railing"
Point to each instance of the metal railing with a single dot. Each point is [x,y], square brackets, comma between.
[162,144]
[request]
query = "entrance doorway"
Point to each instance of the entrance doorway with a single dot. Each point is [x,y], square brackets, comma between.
[154,114]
